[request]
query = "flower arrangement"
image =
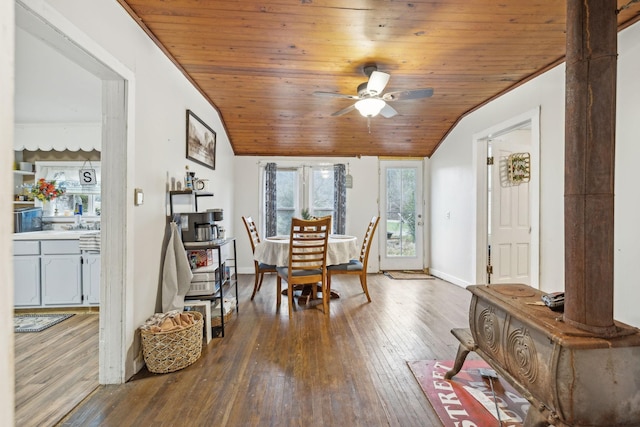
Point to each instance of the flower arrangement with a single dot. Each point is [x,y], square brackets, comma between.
[44,190]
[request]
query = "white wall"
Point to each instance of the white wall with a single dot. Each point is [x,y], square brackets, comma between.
[362,200]
[627,193]
[453,181]
[7,364]
[162,96]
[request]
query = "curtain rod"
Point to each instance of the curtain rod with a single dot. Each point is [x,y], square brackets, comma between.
[294,163]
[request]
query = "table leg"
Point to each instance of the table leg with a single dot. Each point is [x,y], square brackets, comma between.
[305,293]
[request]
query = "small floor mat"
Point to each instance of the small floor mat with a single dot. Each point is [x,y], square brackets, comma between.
[408,275]
[36,322]
[467,398]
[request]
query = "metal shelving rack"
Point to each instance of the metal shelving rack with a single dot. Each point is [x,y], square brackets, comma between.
[222,281]
[195,194]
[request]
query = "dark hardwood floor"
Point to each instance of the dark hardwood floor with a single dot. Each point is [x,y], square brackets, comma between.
[55,369]
[348,369]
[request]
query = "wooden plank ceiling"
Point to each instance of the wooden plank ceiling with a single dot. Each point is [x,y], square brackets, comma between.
[259,62]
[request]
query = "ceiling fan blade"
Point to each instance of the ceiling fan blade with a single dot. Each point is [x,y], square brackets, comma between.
[388,111]
[408,94]
[334,95]
[377,82]
[344,111]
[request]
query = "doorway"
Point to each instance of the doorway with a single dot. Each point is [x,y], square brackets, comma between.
[507,213]
[401,233]
[117,112]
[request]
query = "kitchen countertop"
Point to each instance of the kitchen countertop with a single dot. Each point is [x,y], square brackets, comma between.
[52,235]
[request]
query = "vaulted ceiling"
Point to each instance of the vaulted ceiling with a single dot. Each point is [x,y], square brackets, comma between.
[259,62]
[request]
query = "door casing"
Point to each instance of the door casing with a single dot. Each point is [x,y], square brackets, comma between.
[116,327]
[532,117]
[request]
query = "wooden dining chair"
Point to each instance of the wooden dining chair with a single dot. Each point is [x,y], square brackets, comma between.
[307,259]
[260,268]
[357,266]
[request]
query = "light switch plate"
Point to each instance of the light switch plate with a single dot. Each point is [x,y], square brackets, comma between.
[138,196]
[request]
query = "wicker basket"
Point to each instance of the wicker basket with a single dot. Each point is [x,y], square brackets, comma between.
[215,321]
[229,308]
[170,351]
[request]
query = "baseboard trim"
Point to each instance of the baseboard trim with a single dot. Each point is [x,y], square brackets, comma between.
[449,278]
[53,310]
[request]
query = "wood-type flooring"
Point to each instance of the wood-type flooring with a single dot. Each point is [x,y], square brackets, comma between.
[346,369]
[55,369]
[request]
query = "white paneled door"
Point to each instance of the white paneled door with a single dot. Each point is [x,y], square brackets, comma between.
[401,227]
[509,219]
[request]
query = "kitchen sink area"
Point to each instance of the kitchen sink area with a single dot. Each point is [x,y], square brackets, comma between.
[56,240]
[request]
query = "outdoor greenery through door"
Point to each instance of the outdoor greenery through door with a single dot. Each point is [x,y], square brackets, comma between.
[401,215]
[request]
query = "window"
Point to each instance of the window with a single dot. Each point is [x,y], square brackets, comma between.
[287,198]
[300,189]
[321,197]
[67,175]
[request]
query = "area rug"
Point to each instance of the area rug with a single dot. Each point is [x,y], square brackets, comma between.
[467,398]
[408,275]
[36,322]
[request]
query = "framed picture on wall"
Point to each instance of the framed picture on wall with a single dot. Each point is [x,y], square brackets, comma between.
[201,141]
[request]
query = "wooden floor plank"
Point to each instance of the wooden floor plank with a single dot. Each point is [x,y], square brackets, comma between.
[55,369]
[271,370]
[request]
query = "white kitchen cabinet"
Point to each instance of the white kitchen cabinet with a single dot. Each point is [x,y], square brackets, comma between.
[61,280]
[91,277]
[61,274]
[54,272]
[26,273]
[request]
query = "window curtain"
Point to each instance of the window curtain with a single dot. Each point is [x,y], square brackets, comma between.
[270,199]
[340,198]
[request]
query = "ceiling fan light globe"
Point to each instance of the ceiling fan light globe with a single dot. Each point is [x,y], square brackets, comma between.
[370,107]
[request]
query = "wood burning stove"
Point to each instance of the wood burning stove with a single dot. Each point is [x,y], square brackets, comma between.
[570,376]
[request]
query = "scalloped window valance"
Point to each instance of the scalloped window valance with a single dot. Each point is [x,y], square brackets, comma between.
[58,137]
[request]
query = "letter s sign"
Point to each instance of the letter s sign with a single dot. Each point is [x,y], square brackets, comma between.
[88,177]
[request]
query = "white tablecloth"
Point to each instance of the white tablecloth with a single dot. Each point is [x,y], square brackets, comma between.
[275,250]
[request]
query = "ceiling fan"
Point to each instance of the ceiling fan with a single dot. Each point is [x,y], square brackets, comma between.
[371,100]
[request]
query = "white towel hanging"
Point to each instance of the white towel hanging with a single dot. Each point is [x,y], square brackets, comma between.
[176,274]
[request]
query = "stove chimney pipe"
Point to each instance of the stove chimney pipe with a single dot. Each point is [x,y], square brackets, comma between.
[589,164]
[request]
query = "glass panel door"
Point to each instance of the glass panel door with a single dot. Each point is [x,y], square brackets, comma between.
[401,225]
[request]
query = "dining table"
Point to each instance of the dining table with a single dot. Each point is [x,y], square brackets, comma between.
[274,250]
